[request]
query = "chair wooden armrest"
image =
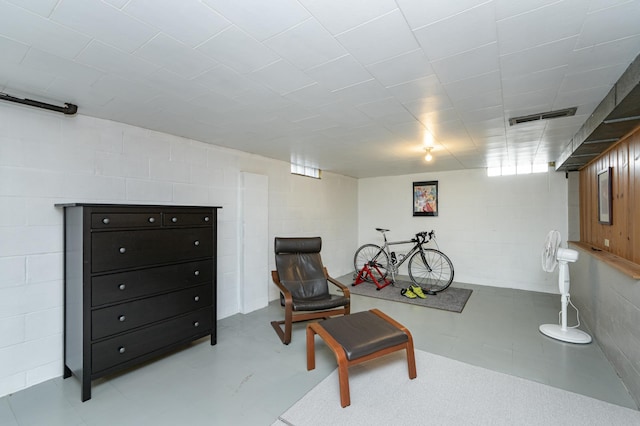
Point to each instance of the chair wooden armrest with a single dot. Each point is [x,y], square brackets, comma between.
[344,288]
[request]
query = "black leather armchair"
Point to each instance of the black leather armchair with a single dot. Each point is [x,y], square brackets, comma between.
[303,283]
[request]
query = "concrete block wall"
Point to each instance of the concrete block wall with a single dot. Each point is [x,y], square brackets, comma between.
[609,303]
[47,158]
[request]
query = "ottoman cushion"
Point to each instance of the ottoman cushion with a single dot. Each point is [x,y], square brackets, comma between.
[363,333]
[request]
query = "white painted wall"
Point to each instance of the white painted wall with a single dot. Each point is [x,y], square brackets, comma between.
[492,228]
[48,158]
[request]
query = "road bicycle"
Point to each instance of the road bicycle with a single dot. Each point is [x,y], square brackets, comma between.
[428,268]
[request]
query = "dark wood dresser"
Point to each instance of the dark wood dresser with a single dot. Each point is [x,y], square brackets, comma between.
[139,281]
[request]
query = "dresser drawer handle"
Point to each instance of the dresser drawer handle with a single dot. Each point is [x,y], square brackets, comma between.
[196,273]
[196,324]
[122,286]
[121,349]
[122,318]
[106,221]
[174,219]
[197,298]
[152,219]
[196,243]
[206,218]
[122,250]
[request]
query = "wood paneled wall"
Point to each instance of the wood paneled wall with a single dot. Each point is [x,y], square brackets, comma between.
[624,233]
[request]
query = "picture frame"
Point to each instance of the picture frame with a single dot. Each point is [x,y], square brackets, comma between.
[425,198]
[605,201]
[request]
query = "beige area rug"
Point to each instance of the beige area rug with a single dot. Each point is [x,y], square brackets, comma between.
[446,392]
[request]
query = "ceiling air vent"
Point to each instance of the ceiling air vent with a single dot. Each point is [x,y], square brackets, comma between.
[567,112]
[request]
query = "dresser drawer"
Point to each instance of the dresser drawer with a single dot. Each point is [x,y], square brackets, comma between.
[129,315]
[125,220]
[129,285]
[187,219]
[129,249]
[128,346]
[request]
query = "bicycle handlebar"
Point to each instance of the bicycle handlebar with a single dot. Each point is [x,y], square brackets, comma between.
[425,237]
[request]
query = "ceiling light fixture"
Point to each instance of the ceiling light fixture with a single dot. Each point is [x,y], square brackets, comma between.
[428,157]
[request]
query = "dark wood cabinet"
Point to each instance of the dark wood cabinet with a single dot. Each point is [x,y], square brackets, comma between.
[139,281]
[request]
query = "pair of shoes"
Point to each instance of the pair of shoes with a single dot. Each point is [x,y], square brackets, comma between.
[406,292]
[418,292]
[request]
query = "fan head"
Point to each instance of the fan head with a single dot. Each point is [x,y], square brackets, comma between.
[550,251]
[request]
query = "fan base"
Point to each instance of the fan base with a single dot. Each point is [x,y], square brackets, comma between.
[571,335]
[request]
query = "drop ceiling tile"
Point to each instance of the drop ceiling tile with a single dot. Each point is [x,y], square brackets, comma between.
[433,117]
[34,30]
[508,8]
[382,38]
[580,97]
[401,69]
[70,91]
[607,53]
[475,85]
[480,101]
[420,12]
[261,19]
[236,49]
[125,90]
[444,38]
[561,20]
[453,68]
[543,98]
[98,20]
[224,80]
[345,114]
[175,56]
[41,7]
[281,77]
[12,51]
[598,26]
[387,112]
[188,21]
[69,70]
[338,16]
[109,59]
[19,78]
[362,92]
[315,95]
[339,73]
[552,55]
[605,76]
[417,89]
[530,82]
[172,83]
[483,114]
[306,45]
[116,3]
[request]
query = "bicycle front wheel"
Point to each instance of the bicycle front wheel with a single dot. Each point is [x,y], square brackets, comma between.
[431,269]
[372,253]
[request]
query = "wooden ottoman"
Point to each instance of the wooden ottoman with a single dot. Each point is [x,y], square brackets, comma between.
[357,338]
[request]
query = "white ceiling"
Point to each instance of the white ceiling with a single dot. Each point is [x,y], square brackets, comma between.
[350,86]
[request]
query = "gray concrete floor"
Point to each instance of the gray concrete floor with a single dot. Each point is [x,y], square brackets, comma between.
[249,377]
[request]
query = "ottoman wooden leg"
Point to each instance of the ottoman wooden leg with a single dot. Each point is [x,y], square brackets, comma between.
[311,348]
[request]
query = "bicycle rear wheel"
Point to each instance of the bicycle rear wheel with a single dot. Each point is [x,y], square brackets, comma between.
[368,253]
[433,271]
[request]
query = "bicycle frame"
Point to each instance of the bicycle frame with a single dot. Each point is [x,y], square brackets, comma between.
[394,262]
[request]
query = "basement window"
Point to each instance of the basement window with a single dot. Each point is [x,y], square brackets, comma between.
[298,169]
[521,169]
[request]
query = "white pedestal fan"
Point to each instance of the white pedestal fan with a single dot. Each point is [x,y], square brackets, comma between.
[552,255]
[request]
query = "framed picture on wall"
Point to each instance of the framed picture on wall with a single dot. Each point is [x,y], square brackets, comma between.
[425,198]
[604,197]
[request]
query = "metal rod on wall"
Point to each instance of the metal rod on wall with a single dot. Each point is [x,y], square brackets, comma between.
[68,109]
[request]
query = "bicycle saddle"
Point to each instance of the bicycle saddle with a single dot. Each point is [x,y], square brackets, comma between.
[382,230]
